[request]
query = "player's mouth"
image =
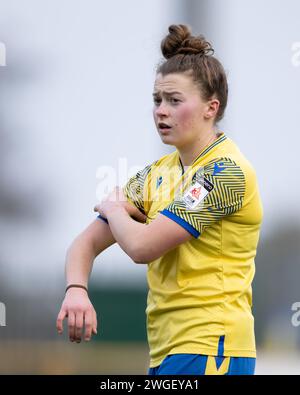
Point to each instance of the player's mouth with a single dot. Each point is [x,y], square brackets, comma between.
[164,127]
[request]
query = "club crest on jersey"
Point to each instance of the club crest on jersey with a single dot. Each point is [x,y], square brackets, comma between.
[197,192]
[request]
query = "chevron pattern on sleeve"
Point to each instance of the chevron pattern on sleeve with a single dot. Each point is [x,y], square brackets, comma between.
[225,199]
[134,189]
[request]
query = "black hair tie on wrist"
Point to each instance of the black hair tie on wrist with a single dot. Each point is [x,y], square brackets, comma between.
[76,286]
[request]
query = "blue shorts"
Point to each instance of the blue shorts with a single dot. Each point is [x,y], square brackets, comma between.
[196,364]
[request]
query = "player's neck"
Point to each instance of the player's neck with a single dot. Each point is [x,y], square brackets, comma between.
[190,152]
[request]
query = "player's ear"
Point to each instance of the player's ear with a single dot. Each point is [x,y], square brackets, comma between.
[212,108]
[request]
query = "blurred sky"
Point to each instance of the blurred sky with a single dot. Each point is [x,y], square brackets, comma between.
[75,95]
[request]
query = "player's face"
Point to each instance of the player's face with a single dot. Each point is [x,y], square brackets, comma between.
[178,104]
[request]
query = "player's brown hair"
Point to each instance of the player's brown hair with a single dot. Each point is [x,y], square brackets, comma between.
[193,55]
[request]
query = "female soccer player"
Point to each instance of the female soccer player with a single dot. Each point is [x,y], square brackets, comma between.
[193,216]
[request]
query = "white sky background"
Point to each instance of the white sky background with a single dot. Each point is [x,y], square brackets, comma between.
[263,111]
[76,95]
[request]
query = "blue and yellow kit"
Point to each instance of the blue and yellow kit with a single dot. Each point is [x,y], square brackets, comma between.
[200,295]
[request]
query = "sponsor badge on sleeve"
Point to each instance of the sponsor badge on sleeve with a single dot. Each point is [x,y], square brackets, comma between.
[197,192]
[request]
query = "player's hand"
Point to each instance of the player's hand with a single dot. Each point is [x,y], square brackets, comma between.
[134,212]
[117,197]
[81,315]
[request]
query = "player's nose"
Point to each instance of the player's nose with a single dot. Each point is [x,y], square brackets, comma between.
[161,110]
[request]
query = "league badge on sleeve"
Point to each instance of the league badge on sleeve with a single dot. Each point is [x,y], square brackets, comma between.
[197,192]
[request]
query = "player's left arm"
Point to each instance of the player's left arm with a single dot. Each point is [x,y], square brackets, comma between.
[143,243]
[215,192]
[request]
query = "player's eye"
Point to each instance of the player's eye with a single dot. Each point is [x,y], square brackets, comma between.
[172,100]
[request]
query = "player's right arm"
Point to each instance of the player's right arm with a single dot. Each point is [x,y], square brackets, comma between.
[80,256]
[76,305]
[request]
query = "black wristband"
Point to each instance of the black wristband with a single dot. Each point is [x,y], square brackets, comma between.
[76,286]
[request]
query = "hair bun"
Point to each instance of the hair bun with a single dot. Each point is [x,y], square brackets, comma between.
[180,41]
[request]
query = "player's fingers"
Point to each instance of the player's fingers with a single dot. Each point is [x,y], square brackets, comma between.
[140,216]
[133,211]
[59,322]
[95,323]
[97,208]
[88,324]
[71,325]
[78,326]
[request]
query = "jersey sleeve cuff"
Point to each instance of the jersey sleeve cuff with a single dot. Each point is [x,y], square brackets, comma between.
[194,232]
[103,219]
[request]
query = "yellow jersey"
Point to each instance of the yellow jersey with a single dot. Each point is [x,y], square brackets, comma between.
[200,296]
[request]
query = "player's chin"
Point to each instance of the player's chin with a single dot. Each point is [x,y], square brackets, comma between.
[168,139]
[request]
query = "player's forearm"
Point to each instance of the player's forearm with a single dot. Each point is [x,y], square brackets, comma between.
[127,232]
[83,251]
[79,262]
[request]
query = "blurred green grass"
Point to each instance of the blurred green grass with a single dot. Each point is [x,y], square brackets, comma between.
[63,357]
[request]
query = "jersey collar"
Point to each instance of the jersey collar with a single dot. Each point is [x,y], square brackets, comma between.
[222,137]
